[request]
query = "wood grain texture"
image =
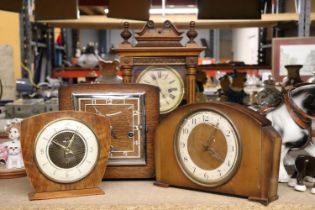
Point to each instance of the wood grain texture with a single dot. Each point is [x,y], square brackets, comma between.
[13,173]
[152,119]
[30,128]
[65,194]
[257,174]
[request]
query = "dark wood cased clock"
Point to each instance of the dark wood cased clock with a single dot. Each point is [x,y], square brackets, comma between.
[65,153]
[219,147]
[160,59]
[133,112]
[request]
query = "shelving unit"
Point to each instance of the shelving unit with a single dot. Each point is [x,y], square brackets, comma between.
[267,20]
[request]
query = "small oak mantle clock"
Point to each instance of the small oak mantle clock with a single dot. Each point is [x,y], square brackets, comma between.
[160,59]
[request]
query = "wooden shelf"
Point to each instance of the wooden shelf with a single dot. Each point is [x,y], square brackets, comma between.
[181,21]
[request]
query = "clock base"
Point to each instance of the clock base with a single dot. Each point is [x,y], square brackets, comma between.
[65,194]
[161,184]
[264,201]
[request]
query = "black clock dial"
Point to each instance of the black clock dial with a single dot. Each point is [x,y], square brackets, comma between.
[67,149]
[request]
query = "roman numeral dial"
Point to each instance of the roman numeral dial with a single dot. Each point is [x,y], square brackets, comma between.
[169,82]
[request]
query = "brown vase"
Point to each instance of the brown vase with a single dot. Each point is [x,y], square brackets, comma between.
[293,78]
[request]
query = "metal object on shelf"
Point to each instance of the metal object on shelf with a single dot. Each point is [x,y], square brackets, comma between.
[22,108]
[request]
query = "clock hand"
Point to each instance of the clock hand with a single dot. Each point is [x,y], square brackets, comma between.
[60,145]
[211,138]
[71,141]
[214,154]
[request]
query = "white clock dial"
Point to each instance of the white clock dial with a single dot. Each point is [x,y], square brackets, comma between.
[66,150]
[207,148]
[170,83]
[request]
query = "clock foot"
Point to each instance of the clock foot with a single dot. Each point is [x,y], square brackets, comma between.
[264,201]
[64,194]
[161,184]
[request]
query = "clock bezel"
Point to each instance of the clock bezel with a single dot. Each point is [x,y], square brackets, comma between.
[40,168]
[75,96]
[235,167]
[178,77]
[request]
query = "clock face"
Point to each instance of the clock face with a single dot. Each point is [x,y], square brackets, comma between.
[207,148]
[66,150]
[170,83]
[126,113]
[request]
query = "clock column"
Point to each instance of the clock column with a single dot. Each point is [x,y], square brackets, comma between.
[191,68]
[126,69]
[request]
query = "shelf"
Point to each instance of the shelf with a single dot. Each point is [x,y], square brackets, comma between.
[181,21]
[75,72]
[144,195]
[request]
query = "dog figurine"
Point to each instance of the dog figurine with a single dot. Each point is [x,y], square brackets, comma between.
[292,119]
[304,170]
[14,159]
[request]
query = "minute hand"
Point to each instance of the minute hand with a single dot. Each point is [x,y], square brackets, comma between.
[213,133]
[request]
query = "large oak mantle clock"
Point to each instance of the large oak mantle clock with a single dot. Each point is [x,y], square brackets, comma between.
[158,58]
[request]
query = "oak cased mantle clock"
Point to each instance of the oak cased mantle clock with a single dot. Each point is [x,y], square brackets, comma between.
[160,59]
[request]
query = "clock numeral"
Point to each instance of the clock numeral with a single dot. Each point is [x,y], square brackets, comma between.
[153,76]
[42,151]
[185,159]
[194,170]
[205,118]
[171,82]
[185,131]
[165,77]
[219,171]
[44,164]
[80,172]
[206,176]
[159,74]
[172,89]
[194,121]
[172,96]
[183,144]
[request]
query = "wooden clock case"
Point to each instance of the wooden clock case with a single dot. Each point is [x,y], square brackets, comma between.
[257,174]
[151,99]
[46,188]
[160,47]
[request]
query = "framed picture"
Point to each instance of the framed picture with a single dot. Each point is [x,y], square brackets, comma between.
[288,51]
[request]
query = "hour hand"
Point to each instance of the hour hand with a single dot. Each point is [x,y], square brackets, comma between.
[58,144]
[214,154]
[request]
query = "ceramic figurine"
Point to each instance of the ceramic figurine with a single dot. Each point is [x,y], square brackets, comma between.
[3,154]
[14,159]
[292,119]
[269,96]
[234,91]
[89,58]
[305,169]
[108,71]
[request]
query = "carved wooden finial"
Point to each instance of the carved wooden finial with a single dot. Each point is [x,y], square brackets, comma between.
[192,33]
[125,34]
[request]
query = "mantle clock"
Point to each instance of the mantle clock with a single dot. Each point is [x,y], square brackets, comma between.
[158,58]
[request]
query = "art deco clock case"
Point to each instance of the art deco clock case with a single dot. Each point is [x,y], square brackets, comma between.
[219,147]
[161,60]
[65,153]
[133,112]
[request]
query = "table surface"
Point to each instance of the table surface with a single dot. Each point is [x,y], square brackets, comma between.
[144,195]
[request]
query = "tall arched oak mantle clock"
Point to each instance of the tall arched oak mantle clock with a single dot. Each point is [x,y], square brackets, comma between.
[158,58]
